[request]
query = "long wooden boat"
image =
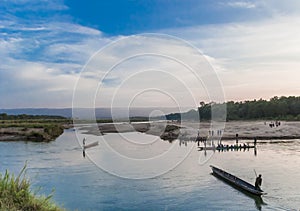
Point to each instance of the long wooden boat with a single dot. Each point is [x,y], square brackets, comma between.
[232,147]
[237,182]
[96,143]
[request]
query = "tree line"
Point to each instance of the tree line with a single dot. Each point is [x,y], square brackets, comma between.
[4,116]
[277,108]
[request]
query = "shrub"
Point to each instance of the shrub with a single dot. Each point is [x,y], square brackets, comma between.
[15,194]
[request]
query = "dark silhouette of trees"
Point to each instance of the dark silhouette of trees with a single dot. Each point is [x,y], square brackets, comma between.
[277,108]
[4,116]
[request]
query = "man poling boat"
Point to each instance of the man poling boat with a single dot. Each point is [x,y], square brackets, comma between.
[237,182]
[258,181]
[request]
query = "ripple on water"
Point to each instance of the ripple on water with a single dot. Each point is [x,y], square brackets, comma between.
[79,184]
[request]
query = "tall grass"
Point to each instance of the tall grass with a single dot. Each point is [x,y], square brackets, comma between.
[15,194]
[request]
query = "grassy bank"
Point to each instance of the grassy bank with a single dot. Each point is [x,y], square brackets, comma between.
[15,194]
[33,129]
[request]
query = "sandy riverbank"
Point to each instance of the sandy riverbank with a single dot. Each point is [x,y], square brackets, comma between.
[189,130]
[162,129]
[248,130]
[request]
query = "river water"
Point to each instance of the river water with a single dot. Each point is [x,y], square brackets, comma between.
[180,176]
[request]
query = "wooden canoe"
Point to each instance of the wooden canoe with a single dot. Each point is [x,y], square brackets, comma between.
[237,182]
[91,145]
[233,147]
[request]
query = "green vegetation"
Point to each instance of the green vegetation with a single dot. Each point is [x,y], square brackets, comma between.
[15,194]
[171,128]
[35,128]
[131,119]
[283,108]
[4,116]
[277,108]
[109,120]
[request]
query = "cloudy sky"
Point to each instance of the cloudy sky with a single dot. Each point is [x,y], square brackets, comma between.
[46,46]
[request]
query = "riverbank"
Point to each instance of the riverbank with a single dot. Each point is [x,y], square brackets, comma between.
[32,130]
[163,130]
[247,130]
[189,130]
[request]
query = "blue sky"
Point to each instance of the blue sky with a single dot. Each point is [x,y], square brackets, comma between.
[252,45]
[129,17]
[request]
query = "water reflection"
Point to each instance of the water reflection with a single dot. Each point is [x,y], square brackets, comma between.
[189,186]
[131,155]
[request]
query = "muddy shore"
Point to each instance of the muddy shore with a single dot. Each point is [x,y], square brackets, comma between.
[246,130]
[43,133]
[164,130]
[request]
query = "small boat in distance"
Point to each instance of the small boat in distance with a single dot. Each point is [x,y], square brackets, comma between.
[96,143]
[226,147]
[237,182]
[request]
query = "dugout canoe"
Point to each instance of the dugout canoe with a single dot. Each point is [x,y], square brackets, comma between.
[232,147]
[96,143]
[237,182]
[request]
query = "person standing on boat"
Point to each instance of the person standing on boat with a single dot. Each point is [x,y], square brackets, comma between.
[83,142]
[83,147]
[237,139]
[258,182]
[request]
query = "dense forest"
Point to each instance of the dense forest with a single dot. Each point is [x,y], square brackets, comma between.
[277,108]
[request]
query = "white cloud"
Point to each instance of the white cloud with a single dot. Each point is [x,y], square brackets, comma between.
[71,28]
[42,61]
[241,4]
[160,64]
[34,5]
[253,59]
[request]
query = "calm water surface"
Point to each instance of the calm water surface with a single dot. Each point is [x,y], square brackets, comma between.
[80,184]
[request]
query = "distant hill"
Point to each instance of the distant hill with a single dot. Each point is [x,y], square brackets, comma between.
[87,113]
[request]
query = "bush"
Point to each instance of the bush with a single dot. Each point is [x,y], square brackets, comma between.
[35,136]
[54,130]
[15,194]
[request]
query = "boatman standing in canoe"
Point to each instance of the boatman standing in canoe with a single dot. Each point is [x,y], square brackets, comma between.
[258,182]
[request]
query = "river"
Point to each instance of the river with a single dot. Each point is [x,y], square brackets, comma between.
[177,177]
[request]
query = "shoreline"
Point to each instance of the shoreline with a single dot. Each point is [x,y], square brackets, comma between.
[186,131]
[164,131]
[246,130]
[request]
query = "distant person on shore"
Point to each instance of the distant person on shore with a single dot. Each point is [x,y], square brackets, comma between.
[255,140]
[258,182]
